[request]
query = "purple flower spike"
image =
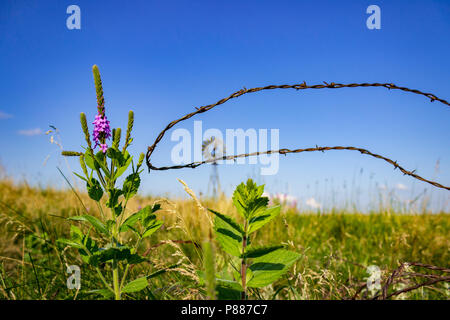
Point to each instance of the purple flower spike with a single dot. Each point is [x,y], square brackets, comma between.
[102,131]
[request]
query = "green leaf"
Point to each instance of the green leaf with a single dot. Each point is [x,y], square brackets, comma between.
[97,224]
[148,211]
[141,214]
[89,245]
[100,161]
[270,267]
[81,177]
[248,199]
[70,243]
[89,159]
[149,230]
[110,224]
[135,285]
[123,167]
[131,185]
[118,209]
[115,253]
[105,293]
[229,284]
[114,154]
[105,255]
[114,195]
[261,218]
[75,234]
[256,252]
[228,289]
[130,221]
[94,189]
[134,230]
[135,259]
[257,206]
[229,233]
[147,220]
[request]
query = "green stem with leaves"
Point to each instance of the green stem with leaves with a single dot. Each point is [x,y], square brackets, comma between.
[110,249]
[127,268]
[116,280]
[256,261]
[244,263]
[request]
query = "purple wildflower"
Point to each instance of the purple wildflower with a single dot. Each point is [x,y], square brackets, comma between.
[102,131]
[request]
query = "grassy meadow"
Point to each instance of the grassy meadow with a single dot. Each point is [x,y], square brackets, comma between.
[336,248]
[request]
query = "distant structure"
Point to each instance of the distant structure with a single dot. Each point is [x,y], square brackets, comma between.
[212,149]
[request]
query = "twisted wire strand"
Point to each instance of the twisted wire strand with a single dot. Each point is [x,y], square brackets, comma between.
[301,86]
[428,266]
[286,151]
[399,274]
[419,285]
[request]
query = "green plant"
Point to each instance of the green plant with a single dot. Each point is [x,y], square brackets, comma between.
[100,172]
[209,265]
[260,266]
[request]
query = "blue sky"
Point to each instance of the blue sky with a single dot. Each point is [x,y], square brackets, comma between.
[163,58]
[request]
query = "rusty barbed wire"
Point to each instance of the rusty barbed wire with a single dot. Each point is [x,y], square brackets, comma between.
[419,285]
[301,86]
[428,266]
[396,273]
[401,274]
[286,151]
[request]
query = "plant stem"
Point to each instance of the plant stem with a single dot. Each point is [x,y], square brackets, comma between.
[116,280]
[115,265]
[124,276]
[115,268]
[123,212]
[100,209]
[244,265]
[98,270]
[103,279]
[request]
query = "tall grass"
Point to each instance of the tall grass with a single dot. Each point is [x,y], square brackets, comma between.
[336,247]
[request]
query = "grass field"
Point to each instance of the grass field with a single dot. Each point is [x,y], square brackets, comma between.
[336,248]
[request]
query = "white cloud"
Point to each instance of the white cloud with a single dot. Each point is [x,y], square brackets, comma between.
[401,186]
[286,199]
[313,203]
[30,132]
[4,115]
